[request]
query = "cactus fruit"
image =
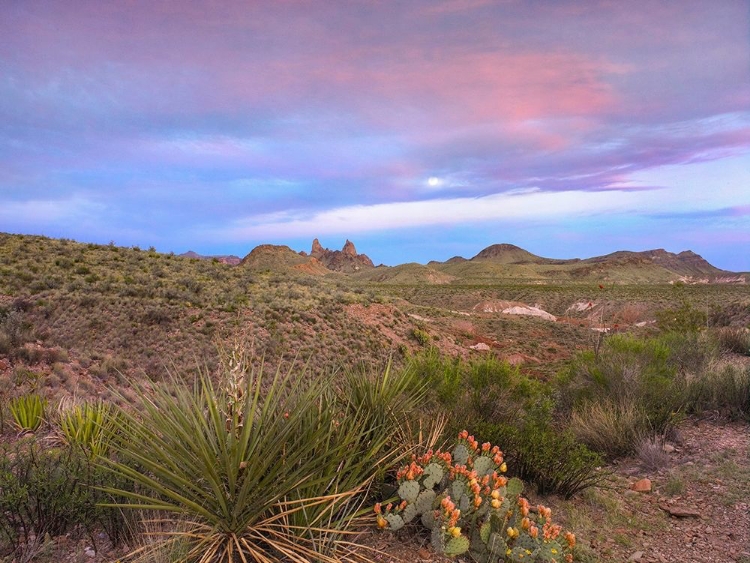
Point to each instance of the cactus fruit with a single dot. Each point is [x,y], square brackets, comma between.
[483,465]
[433,474]
[424,501]
[395,521]
[456,546]
[461,454]
[408,491]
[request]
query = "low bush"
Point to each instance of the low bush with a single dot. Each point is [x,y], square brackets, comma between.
[614,428]
[723,388]
[733,339]
[539,452]
[52,491]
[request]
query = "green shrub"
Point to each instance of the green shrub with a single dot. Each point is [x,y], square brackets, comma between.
[52,491]
[682,319]
[259,468]
[28,412]
[421,336]
[542,453]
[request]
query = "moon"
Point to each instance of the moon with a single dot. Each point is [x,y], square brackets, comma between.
[433,181]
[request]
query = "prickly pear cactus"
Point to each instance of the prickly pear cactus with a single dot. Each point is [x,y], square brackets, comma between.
[470,507]
[433,474]
[409,513]
[424,501]
[483,465]
[409,491]
[461,454]
[514,487]
[395,521]
[456,546]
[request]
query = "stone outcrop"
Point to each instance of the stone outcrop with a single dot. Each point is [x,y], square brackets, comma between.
[345,260]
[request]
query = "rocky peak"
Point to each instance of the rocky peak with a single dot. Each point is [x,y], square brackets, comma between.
[317,249]
[349,249]
[344,260]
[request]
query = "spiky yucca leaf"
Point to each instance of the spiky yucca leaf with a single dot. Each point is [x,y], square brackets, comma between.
[240,479]
[88,425]
[28,412]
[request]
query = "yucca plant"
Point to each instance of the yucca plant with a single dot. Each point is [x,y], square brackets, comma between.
[28,412]
[89,426]
[256,470]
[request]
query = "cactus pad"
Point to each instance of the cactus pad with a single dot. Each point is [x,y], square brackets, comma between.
[461,454]
[424,501]
[395,521]
[496,544]
[408,491]
[484,531]
[456,546]
[433,474]
[437,540]
[409,513]
[428,519]
[483,466]
[514,487]
[463,504]
[458,490]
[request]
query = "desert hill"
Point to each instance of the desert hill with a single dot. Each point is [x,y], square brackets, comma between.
[223,258]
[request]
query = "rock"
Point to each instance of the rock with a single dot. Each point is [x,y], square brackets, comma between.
[317,249]
[424,554]
[89,552]
[349,249]
[636,557]
[642,486]
[668,448]
[480,346]
[680,511]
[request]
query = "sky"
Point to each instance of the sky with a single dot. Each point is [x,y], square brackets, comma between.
[420,130]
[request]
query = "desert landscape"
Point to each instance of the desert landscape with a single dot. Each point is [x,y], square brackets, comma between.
[617,387]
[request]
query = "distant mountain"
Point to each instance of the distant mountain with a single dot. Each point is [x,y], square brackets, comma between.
[226,259]
[512,254]
[345,260]
[510,262]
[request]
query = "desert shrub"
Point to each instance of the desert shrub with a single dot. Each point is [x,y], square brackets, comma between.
[651,453]
[468,505]
[27,412]
[421,336]
[629,371]
[511,409]
[614,428]
[263,468]
[442,374]
[721,388]
[682,319]
[733,339]
[542,453]
[52,491]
